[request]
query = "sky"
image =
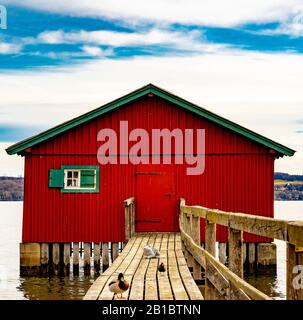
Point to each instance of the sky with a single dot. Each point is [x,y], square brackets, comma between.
[240,59]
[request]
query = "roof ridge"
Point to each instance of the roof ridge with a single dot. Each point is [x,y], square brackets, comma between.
[150,87]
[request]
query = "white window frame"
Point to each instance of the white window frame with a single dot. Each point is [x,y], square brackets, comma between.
[78,179]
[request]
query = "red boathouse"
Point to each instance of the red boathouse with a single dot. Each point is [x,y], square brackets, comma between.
[70,197]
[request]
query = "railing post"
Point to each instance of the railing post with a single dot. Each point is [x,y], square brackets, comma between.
[195,225]
[127,222]
[210,246]
[294,284]
[190,259]
[235,254]
[132,210]
[235,238]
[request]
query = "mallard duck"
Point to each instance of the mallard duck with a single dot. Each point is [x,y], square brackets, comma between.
[161,268]
[119,286]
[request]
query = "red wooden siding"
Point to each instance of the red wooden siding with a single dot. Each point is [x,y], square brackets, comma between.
[238,176]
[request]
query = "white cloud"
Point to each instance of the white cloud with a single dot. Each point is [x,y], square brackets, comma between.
[207,12]
[9,48]
[92,51]
[260,91]
[192,40]
[292,27]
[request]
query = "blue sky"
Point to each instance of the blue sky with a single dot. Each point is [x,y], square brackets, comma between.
[237,58]
[37,38]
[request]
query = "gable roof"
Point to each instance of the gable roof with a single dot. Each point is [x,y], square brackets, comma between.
[150,88]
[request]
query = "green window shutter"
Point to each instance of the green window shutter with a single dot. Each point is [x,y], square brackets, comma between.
[56,178]
[87,178]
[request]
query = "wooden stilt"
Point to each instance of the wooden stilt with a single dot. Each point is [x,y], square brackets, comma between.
[105,256]
[76,258]
[56,258]
[66,258]
[86,257]
[44,258]
[97,257]
[115,252]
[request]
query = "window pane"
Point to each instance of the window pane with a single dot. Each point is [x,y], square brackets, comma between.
[69,174]
[76,174]
[69,182]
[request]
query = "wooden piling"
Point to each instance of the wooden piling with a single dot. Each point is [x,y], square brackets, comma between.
[44,258]
[86,257]
[75,258]
[56,258]
[96,257]
[251,259]
[30,259]
[66,259]
[105,256]
[115,251]
[266,256]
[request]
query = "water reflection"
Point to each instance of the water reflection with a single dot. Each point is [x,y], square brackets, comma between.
[55,288]
[267,283]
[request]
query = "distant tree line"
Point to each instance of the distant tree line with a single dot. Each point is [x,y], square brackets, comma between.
[288,177]
[11,188]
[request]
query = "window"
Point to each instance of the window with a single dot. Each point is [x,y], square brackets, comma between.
[75,178]
[71,179]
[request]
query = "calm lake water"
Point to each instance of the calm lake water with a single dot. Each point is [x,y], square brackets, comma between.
[12,286]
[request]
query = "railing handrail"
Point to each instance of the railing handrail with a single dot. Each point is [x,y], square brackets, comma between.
[237,223]
[250,290]
[291,231]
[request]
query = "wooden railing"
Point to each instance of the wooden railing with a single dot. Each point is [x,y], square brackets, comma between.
[129,205]
[227,283]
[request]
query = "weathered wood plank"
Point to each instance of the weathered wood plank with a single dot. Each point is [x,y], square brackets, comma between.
[263,226]
[230,276]
[137,286]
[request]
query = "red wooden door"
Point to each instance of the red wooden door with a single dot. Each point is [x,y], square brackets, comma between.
[156,203]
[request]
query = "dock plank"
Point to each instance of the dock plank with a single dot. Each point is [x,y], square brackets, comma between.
[145,281]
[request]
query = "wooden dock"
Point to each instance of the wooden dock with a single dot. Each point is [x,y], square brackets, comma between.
[146,283]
